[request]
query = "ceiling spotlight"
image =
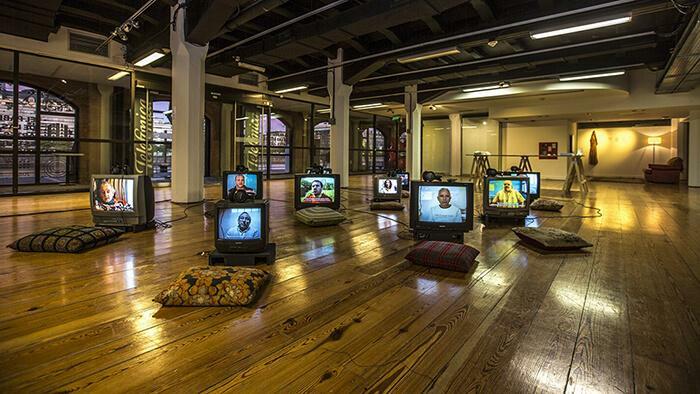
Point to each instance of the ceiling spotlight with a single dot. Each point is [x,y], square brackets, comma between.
[492,43]
[433,108]
[64,81]
[136,24]
[122,36]
[126,27]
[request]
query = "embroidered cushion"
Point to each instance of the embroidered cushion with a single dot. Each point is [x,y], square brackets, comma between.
[446,255]
[71,239]
[549,238]
[319,216]
[546,205]
[214,286]
[386,206]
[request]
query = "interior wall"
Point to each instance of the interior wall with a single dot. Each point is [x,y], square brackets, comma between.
[478,134]
[523,138]
[624,152]
[437,141]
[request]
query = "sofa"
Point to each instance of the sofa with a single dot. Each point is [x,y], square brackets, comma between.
[664,173]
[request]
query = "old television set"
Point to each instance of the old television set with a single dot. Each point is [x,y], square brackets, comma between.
[534,183]
[387,188]
[316,190]
[405,179]
[441,210]
[250,182]
[122,200]
[241,227]
[506,196]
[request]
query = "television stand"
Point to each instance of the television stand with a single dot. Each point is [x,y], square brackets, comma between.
[267,256]
[438,235]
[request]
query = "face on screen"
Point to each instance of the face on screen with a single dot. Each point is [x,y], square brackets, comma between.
[239,224]
[442,204]
[241,181]
[317,189]
[387,186]
[404,179]
[507,193]
[113,194]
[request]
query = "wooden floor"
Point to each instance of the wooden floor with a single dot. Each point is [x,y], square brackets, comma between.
[345,312]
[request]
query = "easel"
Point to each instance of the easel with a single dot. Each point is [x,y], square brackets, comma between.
[479,167]
[525,165]
[575,173]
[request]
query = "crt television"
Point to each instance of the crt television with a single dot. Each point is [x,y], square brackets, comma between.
[316,191]
[442,206]
[241,227]
[387,188]
[534,183]
[405,179]
[506,196]
[251,182]
[121,200]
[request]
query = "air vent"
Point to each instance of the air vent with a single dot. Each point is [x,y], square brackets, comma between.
[87,44]
[248,79]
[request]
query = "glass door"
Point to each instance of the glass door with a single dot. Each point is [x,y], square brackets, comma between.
[251,141]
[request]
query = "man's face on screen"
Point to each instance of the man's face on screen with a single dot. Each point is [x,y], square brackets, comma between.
[240,181]
[244,221]
[444,197]
[316,187]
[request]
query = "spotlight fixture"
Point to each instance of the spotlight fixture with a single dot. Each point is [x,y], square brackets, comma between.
[592,76]
[118,75]
[492,43]
[293,89]
[429,55]
[64,81]
[122,35]
[369,106]
[433,108]
[576,29]
[155,55]
[501,85]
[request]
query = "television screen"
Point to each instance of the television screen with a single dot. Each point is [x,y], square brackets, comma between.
[317,189]
[507,193]
[248,181]
[387,186]
[405,179]
[239,224]
[442,203]
[113,194]
[534,181]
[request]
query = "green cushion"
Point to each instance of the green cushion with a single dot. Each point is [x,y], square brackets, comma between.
[386,206]
[70,239]
[214,286]
[319,216]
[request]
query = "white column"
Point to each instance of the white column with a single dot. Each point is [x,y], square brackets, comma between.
[188,114]
[414,163]
[456,144]
[105,127]
[340,126]
[693,163]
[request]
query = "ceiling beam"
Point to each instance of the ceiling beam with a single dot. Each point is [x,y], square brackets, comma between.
[205,19]
[484,10]
[364,72]
[433,25]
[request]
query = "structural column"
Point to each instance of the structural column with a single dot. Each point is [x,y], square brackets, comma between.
[693,164]
[105,127]
[456,144]
[340,118]
[414,130]
[188,114]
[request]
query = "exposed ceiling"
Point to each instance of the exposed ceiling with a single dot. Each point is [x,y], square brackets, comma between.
[293,40]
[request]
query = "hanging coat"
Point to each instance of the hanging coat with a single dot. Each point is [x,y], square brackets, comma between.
[593,154]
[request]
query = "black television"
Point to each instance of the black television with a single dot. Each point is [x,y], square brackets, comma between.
[506,196]
[241,227]
[121,200]
[405,179]
[250,182]
[312,190]
[534,183]
[442,206]
[386,188]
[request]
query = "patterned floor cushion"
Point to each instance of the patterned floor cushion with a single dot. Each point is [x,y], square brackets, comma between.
[71,239]
[386,206]
[214,286]
[319,216]
[550,239]
[546,205]
[447,255]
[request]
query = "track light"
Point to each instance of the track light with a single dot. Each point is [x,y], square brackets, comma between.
[592,76]
[576,29]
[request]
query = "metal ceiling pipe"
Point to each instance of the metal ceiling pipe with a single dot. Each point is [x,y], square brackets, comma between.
[488,30]
[251,12]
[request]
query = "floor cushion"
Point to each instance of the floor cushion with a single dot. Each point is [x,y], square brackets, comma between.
[319,216]
[447,255]
[70,239]
[386,206]
[214,286]
[546,205]
[550,239]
